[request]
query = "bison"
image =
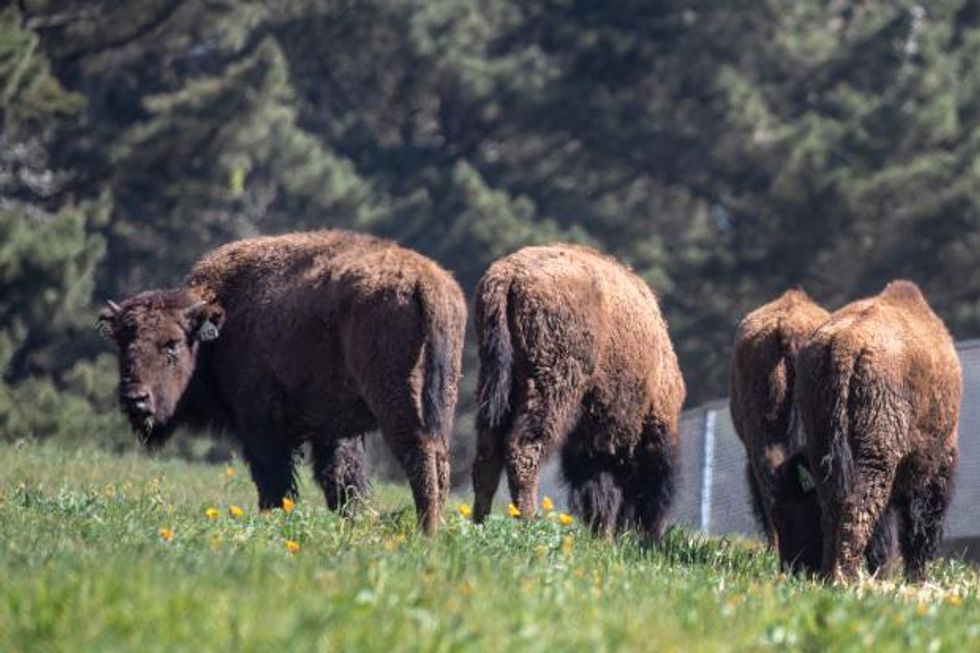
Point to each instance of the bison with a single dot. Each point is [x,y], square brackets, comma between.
[766,418]
[574,354]
[312,337]
[878,388]
[761,404]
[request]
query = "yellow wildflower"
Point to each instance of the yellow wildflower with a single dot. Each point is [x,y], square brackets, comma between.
[567,544]
[288,504]
[236,511]
[292,546]
[548,504]
[513,510]
[166,533]
[214,543]
[465,510]
[229,472]
[954,599]
[212,513]
[565,519]
[395,542]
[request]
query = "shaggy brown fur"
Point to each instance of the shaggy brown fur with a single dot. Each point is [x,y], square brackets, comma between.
[323,336]
[879,388]
[761,404]
[574,353]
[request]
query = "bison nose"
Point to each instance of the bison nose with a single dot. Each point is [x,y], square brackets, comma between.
[135,398]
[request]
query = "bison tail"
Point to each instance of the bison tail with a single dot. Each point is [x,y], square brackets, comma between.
[838,463]
[443,341]
[496,354]
[796,434]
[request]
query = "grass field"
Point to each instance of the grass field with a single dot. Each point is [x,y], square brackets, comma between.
[106,553]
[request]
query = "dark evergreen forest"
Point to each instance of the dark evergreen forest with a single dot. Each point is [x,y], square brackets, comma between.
[724,150]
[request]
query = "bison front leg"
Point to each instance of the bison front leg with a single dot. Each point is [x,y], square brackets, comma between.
[338,466]
[273,473]
[595,493]
[487,468]
[883,547]
[652,484]
[598,499]
[924,511]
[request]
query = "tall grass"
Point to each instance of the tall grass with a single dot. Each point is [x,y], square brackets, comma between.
[109,553]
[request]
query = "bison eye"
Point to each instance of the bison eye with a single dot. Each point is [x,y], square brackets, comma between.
[170,350]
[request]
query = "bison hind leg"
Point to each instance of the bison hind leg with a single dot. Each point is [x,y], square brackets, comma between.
[339,468]
[426,463]
[758,509]
[850,520]
[534,435]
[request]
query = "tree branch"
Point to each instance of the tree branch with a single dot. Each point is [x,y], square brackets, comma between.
[161,17]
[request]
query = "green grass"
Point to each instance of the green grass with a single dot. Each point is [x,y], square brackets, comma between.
[84,567]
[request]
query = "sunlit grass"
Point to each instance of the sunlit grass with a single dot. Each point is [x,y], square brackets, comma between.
[123,553]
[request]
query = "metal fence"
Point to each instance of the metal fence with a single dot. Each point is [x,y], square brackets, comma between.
[713,496]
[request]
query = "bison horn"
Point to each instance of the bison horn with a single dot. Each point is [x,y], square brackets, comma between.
[114,307]
[194,308]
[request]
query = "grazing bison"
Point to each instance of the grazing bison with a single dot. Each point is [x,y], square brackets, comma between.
[762,402]
[574,353]
[316,337]
[879,388]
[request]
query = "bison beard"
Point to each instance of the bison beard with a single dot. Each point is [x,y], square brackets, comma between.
[879,389]
[574,354]
[313,337]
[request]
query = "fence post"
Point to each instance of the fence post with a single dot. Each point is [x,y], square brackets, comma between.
[707,470]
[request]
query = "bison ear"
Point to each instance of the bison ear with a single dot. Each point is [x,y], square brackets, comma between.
[206,321]
[107,316]
[104,327]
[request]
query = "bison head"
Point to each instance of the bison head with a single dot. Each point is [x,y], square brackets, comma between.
[796,516]
[158,334]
